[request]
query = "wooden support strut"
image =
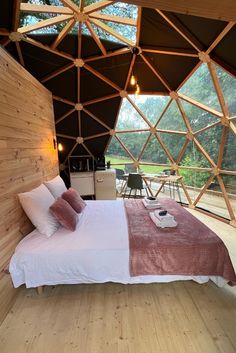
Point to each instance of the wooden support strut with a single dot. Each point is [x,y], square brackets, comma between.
[220,36]
[57,72]
[96,38]
[63,33]
[178,27]
[144,146]
[211,178]
[130,71]
[169,52]
[157,74]
[200,105]
[139,111]
[125,148]
[218,89]
[65,116]
[103,78]
[94,117]
[45,23]
[97,100]
[225,195]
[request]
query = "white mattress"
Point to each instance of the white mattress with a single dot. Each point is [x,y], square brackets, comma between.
[97,252]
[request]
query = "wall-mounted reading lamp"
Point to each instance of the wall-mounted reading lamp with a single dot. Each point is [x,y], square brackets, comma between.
[60,147]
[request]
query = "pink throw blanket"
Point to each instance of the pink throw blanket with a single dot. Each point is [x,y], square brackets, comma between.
[189,249]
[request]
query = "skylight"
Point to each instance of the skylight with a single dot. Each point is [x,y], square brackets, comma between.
[115,21]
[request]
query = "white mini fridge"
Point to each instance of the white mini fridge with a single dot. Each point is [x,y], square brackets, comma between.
[105,184]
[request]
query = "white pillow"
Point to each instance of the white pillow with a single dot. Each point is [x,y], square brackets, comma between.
[36,205]
[56,186]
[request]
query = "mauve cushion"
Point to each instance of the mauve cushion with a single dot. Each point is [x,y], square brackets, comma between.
[73,198]
[64,213]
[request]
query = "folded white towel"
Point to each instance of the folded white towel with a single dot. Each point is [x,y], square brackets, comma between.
[167,217]
[151,206]
[162,224]
[151,201]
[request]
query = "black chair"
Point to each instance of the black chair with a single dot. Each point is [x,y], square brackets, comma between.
[169,172]
[120,174]
[135,182]
[120,180]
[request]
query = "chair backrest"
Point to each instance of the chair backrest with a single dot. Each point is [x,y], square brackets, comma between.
[169,172]
[120,174]
[130,168]
[135,181]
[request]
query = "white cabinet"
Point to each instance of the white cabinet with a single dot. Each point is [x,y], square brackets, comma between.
[105,184]
[83,182]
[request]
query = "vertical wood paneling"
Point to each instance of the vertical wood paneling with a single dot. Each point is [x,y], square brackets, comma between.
[27,157]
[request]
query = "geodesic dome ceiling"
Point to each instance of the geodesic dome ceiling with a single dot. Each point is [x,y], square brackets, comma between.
[89,74]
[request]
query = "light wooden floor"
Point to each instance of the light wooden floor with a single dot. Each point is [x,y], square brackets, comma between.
[179,317]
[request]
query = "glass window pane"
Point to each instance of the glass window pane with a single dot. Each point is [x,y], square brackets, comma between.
[197,117]
[151,106]
[154,153]
[229,158]
[172,119]
[200,87]
[116,153]
[210,141]
[129,118]
[192,157]
[134,141]
[228,85]
[173,143]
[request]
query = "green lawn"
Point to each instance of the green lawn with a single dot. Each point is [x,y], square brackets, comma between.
[149,169]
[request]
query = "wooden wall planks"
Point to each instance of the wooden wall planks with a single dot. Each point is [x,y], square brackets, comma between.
[27,156]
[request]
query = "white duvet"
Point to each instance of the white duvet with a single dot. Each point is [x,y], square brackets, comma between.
[97,252]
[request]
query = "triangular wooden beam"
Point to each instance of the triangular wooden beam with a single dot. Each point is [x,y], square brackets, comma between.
[45,23]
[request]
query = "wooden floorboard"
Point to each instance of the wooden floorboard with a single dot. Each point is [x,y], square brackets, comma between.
[177,317]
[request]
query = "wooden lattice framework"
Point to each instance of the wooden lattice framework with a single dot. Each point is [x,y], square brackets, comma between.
[71,14]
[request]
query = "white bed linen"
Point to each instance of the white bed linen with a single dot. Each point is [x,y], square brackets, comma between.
[97,252]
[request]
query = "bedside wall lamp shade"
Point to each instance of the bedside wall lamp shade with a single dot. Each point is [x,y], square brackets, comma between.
[60,147]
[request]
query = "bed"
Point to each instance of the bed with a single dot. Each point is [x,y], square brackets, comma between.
[98,251]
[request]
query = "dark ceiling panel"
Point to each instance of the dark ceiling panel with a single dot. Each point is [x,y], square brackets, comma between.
[6,14]
[97,145]
[89,126]
[115,68]
[225,53]
[106,110]
[60,109]
[41,62]
[156,32]
[69,45]
[64,85]
[204,29]
[11,48]
[90,48]
[69,125]
[93,87]
[79,151]
[174,68]
[146,79]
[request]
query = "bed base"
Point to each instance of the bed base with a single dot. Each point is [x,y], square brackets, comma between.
[39,290]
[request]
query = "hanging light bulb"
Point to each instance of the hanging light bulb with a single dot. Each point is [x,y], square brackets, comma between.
[60,147]
[137,92]
[132,79]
